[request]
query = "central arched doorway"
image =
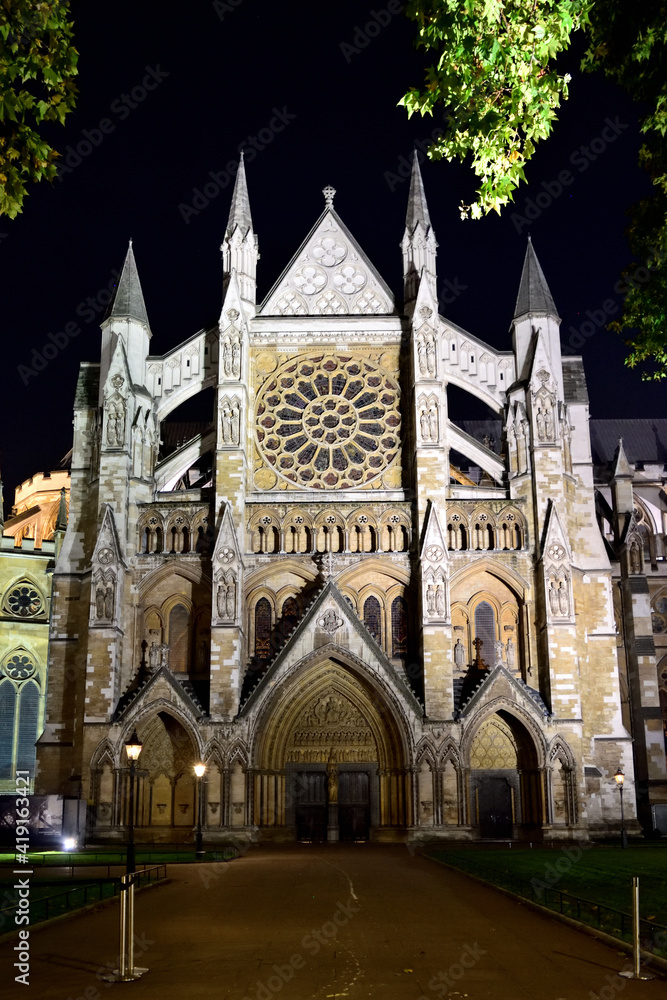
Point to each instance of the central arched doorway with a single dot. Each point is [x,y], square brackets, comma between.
[330,760]
[505,780]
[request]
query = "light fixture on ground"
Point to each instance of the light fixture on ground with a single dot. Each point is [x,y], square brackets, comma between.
[133,748]
[200,770]
[619,778]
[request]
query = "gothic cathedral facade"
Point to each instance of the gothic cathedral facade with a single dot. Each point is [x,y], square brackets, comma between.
[311,595]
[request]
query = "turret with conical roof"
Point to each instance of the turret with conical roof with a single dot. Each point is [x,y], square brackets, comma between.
[126,319]
[239,245]
[419,244]
[535,310]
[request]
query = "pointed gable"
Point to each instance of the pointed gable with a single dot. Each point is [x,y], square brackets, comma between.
[329,275]
[555,545]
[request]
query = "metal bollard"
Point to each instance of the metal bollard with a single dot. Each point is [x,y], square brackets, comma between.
[126,970]
[636,953]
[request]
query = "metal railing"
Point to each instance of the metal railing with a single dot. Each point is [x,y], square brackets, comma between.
[74,859]
[614,922]
[43,907]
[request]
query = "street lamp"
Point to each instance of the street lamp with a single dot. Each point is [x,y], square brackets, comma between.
[619,778]
[199,771]
[133,748]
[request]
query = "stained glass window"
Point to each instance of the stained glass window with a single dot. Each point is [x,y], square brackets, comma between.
[399,627]
[485,629]
[373,618]
[28,721]
[263,629]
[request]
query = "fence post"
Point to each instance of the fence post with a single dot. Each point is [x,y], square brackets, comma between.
[636,953]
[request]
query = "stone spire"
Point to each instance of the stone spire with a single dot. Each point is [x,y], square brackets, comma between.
[239,245]
[419,244]
[622,468]
[417,207]
[61,520]
[128,302]
[534,297]
[239,212]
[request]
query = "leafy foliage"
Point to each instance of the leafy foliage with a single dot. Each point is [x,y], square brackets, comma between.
[496,77]
[628,42]
[38,63]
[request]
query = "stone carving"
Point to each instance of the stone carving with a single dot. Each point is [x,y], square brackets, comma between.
[499,652]
[636,555]
[329,251]
[510,653]
[349,279]
[230,417]
[226,597]
[330,621]
[459,654]
[116,418]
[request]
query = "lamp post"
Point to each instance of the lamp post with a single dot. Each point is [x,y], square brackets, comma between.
[133,748]
[199,848]
[619,778]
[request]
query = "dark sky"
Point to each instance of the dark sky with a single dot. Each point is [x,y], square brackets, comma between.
[219,72]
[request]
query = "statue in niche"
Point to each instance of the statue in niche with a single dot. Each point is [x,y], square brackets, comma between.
[459,654]
[563,599]
[227,357]
[424,425]
[548,420]
[421,355]
[99,601]
[236,359]
[635,557]
[116,422]
[430,354]
[109,602]
[234,423]
[553,597]
[433,423]
[540,424]
[332,779]
[440,600]
[510,653]
[221,600]
[226,424]
[430,599]
[230,600]
[500,649]
[154,657]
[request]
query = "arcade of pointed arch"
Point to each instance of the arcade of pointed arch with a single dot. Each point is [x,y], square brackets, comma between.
[327,528]
[479,525]
[491,614]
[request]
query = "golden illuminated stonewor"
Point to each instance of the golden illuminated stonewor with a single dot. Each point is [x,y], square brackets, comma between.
[326,421]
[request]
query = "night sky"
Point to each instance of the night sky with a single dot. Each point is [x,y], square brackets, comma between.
[225,72]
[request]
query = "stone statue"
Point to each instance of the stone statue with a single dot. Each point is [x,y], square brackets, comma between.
[440,600]
[236,359]
[430,599]
[553,597]
[421,354]
[510,653]
[99,602]
[234,423]
[563,599]
[500,649]
[109,602]
[154,656]
[430,354]
[540,424]
[221,600]
[433,423]
[635,557]
[230,603]
[548,422]
[226,425]
[424,424]
[459,654]
[332,781]
[227,357]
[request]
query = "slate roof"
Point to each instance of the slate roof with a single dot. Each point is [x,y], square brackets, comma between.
[644,440]
[534,296]
[574,381]
[129,298]
[87,389]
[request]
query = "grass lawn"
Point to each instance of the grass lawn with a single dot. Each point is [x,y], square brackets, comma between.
[600,874]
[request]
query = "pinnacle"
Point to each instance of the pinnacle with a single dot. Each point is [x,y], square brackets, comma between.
[128,302]
[534,297]
[417,207]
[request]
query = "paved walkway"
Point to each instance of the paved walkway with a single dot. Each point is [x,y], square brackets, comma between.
[317,922]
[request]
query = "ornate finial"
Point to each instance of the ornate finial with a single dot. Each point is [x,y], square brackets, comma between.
[328,193]
[329,570]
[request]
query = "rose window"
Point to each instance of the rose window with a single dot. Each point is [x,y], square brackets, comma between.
[329,421]
[19,667]
[24,601]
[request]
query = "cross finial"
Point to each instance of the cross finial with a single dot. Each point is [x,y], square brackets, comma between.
[328,193]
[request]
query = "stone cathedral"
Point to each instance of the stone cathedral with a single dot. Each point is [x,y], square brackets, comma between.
[366,621]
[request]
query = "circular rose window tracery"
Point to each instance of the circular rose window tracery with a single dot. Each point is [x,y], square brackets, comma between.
[329,421]
[24,601]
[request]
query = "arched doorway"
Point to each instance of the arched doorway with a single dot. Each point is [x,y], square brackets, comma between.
[330,760]
[165,791]
[505,780]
